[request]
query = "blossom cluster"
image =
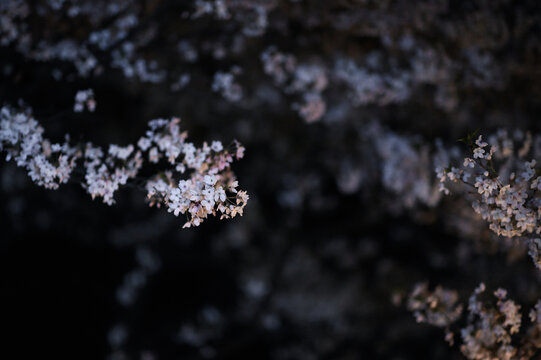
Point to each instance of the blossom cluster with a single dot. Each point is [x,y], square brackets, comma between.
[438,307]
[111,28]
[210,189]
[84,99]
[488,334]
[506,182]
[118,33]
[405,164]
[21,138]
[368,86]
[491,328]
[252,14]
[120,17]
[224,83]
[376,80]
[305,80]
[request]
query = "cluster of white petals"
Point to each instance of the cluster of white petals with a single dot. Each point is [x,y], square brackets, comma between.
[507,183]
[84,99]
[224,83]
[438,307]
[209,189]
[307,81]
[21,138]
[405,167]
[491,326]
[488,333]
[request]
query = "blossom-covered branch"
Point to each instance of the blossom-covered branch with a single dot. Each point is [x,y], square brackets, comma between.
[506,183]
[491,328]
[209,189]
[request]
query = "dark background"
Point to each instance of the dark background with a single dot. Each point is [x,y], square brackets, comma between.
[310,270]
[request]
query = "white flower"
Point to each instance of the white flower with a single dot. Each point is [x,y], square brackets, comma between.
[216,146]
[479,142]
[454,174]
[144,143]
[529,171]
[478,153]
[468,162]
